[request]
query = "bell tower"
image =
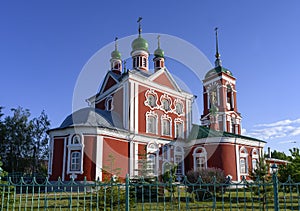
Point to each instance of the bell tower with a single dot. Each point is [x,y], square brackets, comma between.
[219,97]
[140,52]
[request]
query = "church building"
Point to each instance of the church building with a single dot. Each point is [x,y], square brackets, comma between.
[141,115]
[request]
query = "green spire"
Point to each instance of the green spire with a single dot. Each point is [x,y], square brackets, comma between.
[158,52]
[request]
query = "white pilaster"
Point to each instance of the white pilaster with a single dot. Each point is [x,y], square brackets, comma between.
[136,106]
[99,157]
[131,103]
[64,159]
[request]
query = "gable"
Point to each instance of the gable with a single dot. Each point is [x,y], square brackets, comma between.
[109,83]
[165,80]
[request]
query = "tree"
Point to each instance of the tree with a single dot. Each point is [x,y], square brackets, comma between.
[279,155]
[24,142]
[261,172]
[292,168]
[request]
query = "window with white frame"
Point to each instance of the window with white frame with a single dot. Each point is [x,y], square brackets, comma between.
[243,160]
[109,103]
[75,161]
[166,152]
[151,122]
[255,158]
[200,158]
[178,107]
[151,98]
[166,125]
[179,128]
[152,153]
[166,102]
[76,139]
[179,160]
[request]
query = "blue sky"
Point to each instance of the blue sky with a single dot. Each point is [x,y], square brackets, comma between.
[45,44]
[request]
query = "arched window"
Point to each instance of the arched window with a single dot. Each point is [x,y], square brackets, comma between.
[166,125]
[76,139]
[178,106]
[109,103]
[243,160]
[200,158]
[255,158]
[229,97]
[179,128]
[151,122]
[166,152]
[75,161]
[232,125]
[152,154]
[179,160]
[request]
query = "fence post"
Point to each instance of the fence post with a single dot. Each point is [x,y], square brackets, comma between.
[127,192]
[275,186]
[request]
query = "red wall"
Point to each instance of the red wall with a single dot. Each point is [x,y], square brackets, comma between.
[57,164]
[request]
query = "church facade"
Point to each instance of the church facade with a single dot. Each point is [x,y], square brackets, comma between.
[143,115]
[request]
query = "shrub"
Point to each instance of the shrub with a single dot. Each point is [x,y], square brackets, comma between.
[206,175]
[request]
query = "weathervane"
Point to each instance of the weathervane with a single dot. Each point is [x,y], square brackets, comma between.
[217,46]
[116,43]
[140,27]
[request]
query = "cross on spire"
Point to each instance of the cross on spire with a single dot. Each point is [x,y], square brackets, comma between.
[116,43]
[140,27]
[158,41]
[218,61]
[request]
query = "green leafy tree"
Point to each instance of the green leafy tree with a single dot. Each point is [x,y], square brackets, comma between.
[24,142]
[292,168]
[279,155]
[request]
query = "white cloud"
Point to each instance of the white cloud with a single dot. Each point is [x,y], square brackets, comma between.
[276,130]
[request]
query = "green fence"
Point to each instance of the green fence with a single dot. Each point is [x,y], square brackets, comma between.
[149,194]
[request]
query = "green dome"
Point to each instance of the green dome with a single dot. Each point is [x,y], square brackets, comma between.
[159,52]
[115,54]
[217,70]
[139,44]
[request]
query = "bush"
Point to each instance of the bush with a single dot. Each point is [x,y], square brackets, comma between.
[206,175]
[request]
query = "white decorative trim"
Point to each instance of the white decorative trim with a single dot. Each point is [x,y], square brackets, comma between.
[136,157]
[203,154]
[244,154]
[126,106]
[181,153]
[169,119]
[167,98]
[99,157]
[218,79]
[178,120]
[178,101]
[153,114]
[131,100]
[51,148]
[153,93]
[237,163]
[109,105]
[64,160]
[75,147]
[136,108]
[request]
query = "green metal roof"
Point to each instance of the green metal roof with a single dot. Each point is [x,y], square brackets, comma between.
[139,44]
[199,132]
[159,53]
[217,70]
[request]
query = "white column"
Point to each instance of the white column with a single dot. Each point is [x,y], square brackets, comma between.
[136,108]
[131,102]
[126,106]
[237,162]
[99,157]
[136,158]
[131,158]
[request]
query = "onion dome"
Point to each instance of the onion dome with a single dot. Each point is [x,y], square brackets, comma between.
[116,54]
[139,44]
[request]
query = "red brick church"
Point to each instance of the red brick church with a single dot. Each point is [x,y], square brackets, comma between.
[143,114]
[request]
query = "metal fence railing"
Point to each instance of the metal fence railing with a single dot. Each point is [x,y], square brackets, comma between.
[146,194]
